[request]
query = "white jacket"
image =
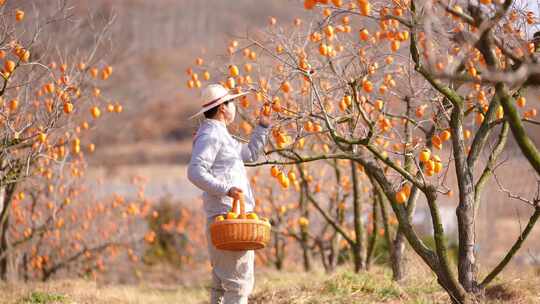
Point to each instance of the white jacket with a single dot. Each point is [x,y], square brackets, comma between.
[217,164]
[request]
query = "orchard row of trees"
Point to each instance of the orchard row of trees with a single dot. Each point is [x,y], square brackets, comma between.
[395,98]
[51,99]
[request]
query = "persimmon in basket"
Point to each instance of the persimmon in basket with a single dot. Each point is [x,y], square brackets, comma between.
[238,231]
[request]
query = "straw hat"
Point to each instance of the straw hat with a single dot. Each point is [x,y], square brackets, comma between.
[214,95]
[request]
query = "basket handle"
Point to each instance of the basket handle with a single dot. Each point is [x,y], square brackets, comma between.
[239,203]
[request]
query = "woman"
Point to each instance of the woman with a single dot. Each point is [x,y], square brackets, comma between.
[217,168]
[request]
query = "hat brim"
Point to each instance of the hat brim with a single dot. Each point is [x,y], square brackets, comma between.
[222,100]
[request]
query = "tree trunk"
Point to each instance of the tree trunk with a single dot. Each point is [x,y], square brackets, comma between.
[3,248]
[374,229]
[4,223]
[397,258]
[334,252]
[397,254]
[465,209]
[435,260]
[279,254]
[324,259]
[359,249]
[304,238]
[306,251]
[25,267]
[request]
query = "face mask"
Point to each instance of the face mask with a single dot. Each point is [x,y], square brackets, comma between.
[232,107]
[229,112]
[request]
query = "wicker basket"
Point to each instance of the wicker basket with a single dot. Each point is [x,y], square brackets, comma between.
[240,234]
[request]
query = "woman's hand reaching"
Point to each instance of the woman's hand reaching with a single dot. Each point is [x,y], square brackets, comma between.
[264,121]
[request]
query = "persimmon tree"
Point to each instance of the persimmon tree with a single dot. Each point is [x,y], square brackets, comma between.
[70,232]
[50,99]
[413,93]
[328,188]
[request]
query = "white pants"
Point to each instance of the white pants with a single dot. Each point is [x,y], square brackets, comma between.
[232,274]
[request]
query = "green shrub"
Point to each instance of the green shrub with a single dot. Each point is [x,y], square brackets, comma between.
[169,246]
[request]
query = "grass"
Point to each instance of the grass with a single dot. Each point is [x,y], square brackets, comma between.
[81,291]
[316,287]
[345,286]
[38,297]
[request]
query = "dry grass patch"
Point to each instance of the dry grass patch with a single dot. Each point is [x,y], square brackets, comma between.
[81,291]
[288,287]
